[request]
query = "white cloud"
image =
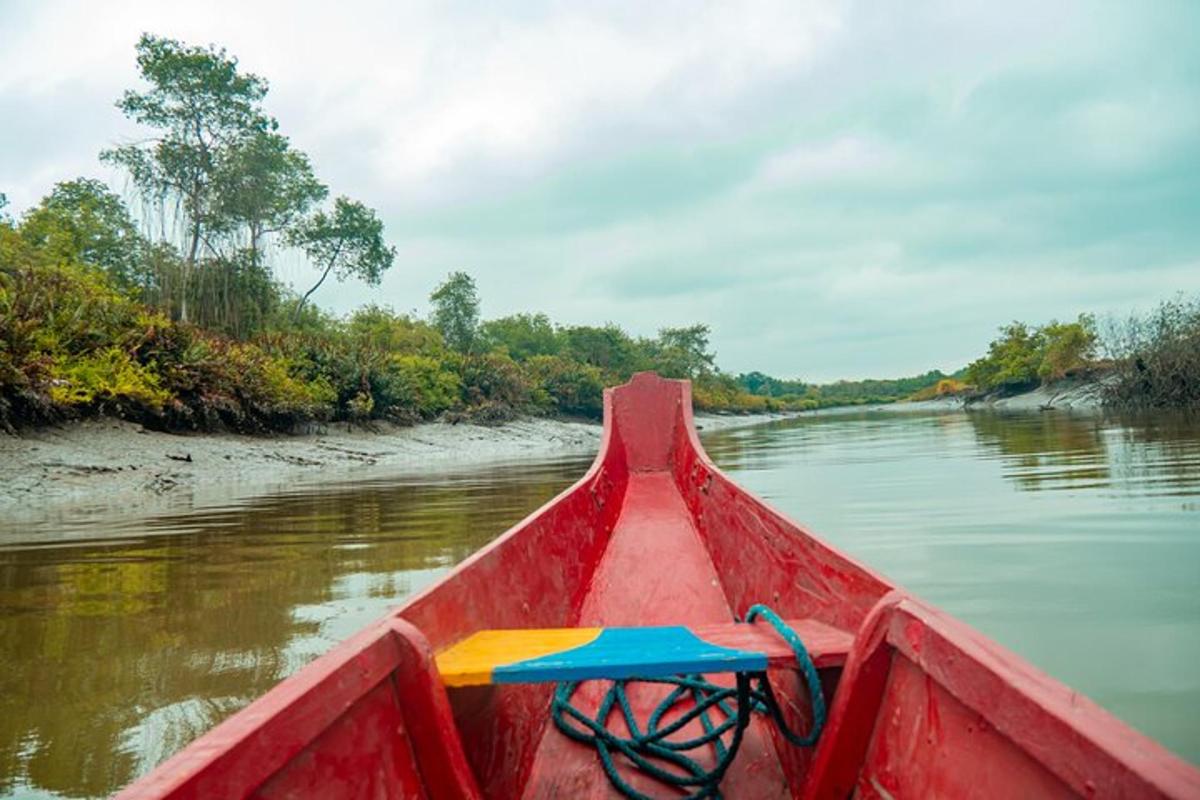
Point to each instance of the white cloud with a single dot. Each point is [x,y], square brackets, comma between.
[846,157]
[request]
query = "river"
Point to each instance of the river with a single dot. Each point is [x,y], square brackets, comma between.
[1072,539]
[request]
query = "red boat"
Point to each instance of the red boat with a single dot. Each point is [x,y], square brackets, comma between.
[653,541]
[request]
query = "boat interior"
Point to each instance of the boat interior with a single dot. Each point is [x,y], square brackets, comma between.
[920,705]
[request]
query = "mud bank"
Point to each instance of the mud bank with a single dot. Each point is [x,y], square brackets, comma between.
[106,467]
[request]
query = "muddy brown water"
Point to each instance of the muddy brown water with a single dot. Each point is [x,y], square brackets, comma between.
[1074,540]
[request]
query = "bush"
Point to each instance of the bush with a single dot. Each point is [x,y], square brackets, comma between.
[571,387]
[1024,356]
[108,375]
[420,385]
[1157,358]
[493,378]
[1068,348]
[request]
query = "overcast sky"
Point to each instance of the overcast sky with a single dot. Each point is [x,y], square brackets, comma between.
[839,189]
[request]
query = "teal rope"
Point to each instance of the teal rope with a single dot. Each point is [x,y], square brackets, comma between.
[647,750]
[811,679]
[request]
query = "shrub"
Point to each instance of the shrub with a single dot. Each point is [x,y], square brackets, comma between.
[1025,356]
[1157,358]
[571,387]
[419,385]
[106,375]
[1067,348]
[1012,360]
[493,378]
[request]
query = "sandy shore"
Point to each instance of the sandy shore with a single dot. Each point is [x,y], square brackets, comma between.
[105,467]
[1067,395]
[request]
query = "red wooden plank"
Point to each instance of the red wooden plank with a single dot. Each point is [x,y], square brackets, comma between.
[827,646]
[359,755]
[429,721]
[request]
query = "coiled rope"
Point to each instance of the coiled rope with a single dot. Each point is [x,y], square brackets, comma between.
[651,750]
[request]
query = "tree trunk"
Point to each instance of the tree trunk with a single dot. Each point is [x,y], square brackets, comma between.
[317,285]
[332,260]
[188,266]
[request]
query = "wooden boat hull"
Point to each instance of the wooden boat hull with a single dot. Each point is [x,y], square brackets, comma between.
[655,534]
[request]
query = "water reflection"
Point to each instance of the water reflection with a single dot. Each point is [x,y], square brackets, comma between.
[118,652]
[1046,450]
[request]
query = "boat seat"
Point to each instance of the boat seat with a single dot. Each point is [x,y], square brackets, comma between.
[572,654]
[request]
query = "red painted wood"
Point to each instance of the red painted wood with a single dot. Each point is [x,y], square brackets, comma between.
[827,646]
[430,723]
[242,753]
[654,572]
[927,744]
[655,534]
[929,707]
[342,724]
[535,575]
[336,765]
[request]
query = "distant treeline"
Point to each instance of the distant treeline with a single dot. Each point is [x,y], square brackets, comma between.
[801,395]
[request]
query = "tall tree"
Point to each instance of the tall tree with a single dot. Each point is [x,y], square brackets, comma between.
[264,184]
[347,243]
[456,311]
[202,106]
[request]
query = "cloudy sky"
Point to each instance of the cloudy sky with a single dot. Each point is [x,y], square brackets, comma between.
[840,189]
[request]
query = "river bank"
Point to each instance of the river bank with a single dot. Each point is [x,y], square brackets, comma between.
[1065,395]
[105,466]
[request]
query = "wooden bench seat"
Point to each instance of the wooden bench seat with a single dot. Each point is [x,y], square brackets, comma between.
[572,654]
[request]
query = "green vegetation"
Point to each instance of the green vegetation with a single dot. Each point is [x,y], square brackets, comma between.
[219,185]
[77,338]
[797,394]
[1023,357]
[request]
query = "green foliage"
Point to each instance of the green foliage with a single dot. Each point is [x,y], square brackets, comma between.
[347,242]
[383,329]
[1023,356]
[261,182]
[105,375]
[423,384]
[683,352]
[796,394]
[1069,347]
[717,392]
[761,384]
[219,180]
[456,311]
[1012,360]
[81,220]
[522,336]
[608,348]
[946,387]
[203,108]
[570,387]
